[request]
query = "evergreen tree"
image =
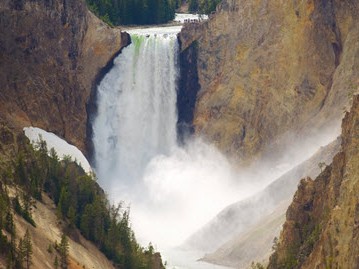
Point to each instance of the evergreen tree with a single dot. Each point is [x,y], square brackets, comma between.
[9,223]
[64,203]
[20,253]
[3,209]
[193,5]
[71,214]
[134,11]
[208,6]
[20,173]
[27,248]
[10,261]
[64,251]
[79,198]
[203,6]
[56,263]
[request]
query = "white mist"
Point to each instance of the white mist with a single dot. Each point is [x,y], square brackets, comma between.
[173,191]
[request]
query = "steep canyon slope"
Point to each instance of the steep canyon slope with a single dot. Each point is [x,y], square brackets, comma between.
[50,54]
[269,69]
[243,232]
[321,228]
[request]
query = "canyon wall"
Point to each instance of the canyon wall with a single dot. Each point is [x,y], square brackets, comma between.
[322,222]
[244,231]
[187,91]
[50,54]
[270,69]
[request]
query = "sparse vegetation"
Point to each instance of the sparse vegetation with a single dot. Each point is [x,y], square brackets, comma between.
[81,204]
[24,211]
[275,244]
[56,262]
[257,265]
[27,249]
[64,252]
[296,252]
[288,262]
[50,249]
[8,246]
[310,239]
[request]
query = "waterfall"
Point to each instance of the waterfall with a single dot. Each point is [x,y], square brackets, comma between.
[172,190]
[136,108]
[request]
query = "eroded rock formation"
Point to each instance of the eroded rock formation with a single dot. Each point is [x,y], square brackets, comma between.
[322,223]
[267,68]
[50,54]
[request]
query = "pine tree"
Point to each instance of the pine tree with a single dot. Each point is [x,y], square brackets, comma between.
[64,252]
[27,246]
[134,11]
[63,204]
[9,224]
[20,253]
[56,263]
[10,261]
[193,5]
[71,214]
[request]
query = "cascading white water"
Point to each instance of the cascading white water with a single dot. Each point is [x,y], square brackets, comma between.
[172,190]
[136,108]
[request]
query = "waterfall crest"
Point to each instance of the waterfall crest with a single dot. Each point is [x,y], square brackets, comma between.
[136,108]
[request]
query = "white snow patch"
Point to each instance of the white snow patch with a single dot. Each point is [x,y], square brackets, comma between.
[60,145]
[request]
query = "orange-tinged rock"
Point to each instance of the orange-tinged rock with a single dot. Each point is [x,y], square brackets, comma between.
[293,64]
[322,226]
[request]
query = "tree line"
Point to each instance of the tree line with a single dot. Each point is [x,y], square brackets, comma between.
[142,12]
[80,202]
[203,6]
[125,12]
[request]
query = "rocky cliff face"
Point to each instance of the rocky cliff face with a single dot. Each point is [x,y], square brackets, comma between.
[187,91]
[321,230]
[50,53]
[267,68]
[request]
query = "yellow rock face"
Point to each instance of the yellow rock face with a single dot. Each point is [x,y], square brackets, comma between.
[269,67]
[322,226]
[49,60]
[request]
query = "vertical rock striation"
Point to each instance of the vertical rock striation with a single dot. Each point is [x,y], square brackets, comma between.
[267,68]
[322,226]
[50,54]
